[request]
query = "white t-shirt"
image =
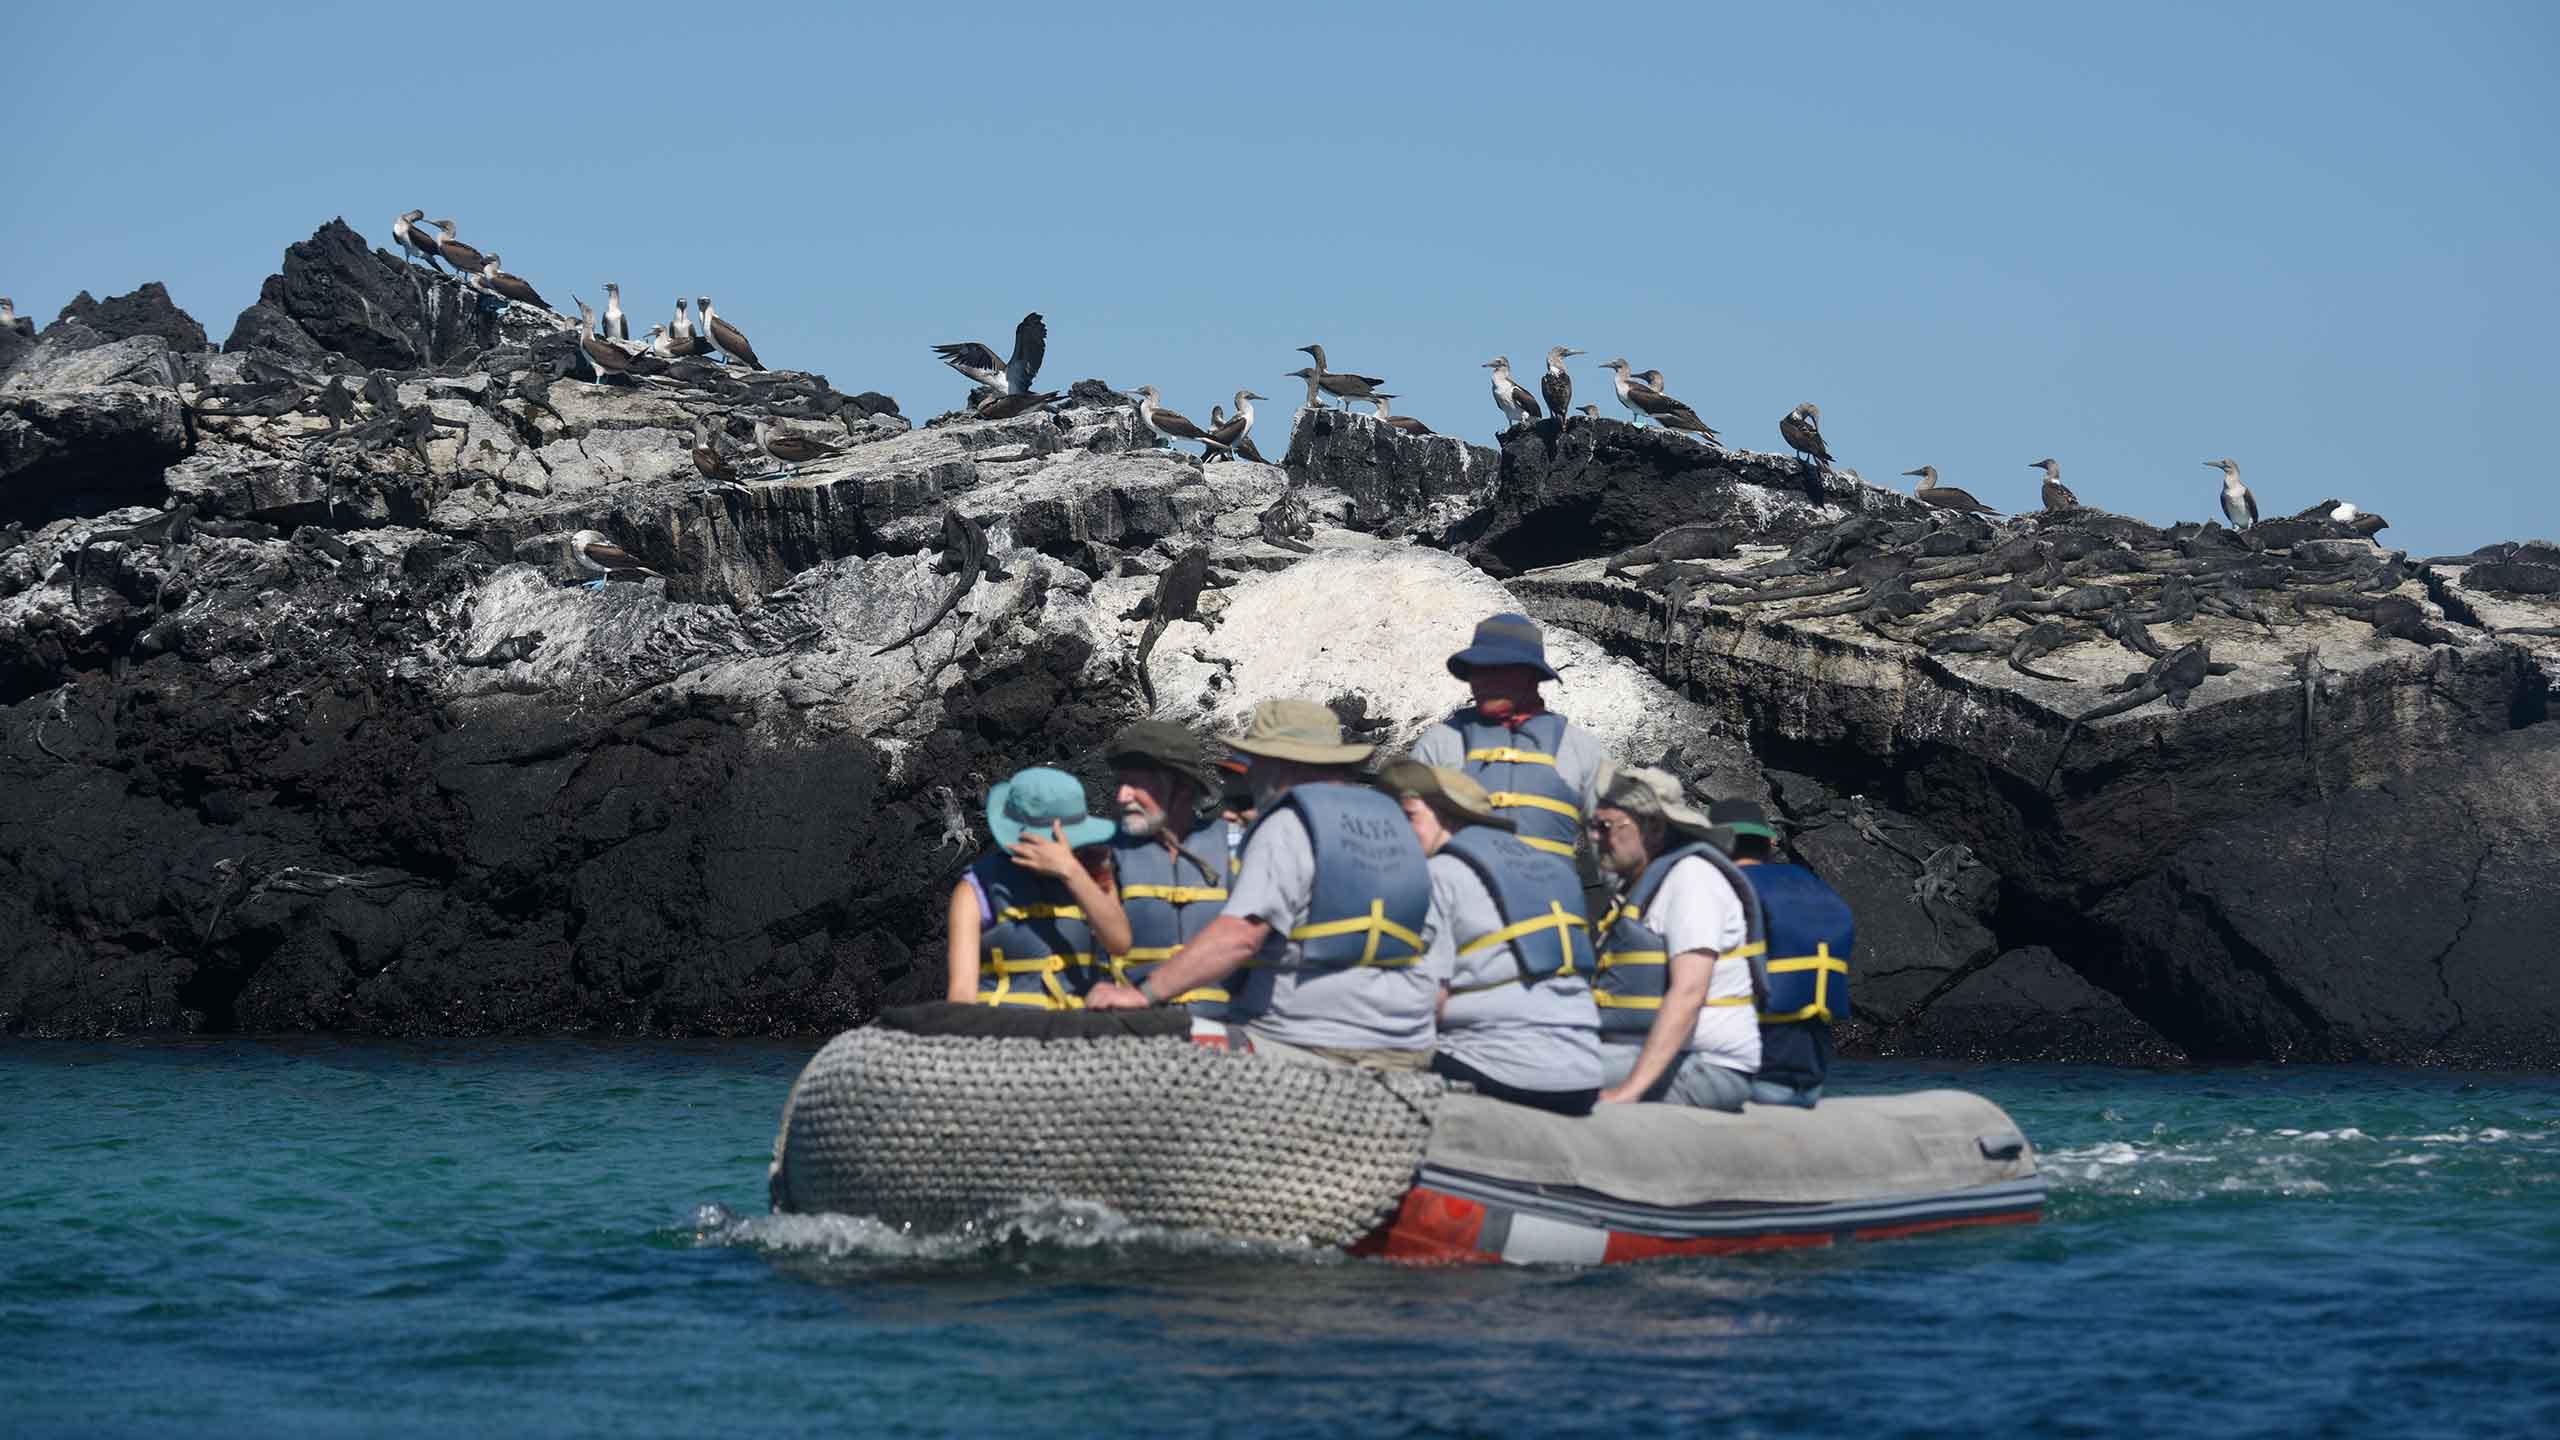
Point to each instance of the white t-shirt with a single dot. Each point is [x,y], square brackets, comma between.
[1697,909]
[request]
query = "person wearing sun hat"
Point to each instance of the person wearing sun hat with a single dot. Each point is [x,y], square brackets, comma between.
[1032,920]
[1812,934]
[1323,931]
[1170,859]
[1676,978]
[1516,1018]
[1540,767]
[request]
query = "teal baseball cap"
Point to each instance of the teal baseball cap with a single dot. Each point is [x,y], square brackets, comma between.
[1034,798]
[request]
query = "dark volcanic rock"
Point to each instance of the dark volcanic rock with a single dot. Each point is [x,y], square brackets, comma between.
[369,305]
[147,311]
[265,327]
[1398,484]
[87,424]
[2028,1006]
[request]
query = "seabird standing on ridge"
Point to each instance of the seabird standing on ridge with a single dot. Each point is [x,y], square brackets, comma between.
[463,258]
[1005,407]
[1649,400]
[2057,496]
[1008,376]
[708,456]
[413,240]
[1171,424]
[1405,423]
[658,343]
[603,356]
[1946,497]
[1314,379]
[727,336]
[1802,428]
[1651,380]
[2238,505]
[1348,387]
[1556,385]
[682,329]
[1517,404]
[1235,434]
[606,560]
[616,324]
[792,447]
[12,320]
[513,287]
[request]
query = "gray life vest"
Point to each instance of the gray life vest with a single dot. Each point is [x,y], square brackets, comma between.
[1519,769]
[1635,966]
[1373,885]
[1170,899]
[1543,920]
[1037,948]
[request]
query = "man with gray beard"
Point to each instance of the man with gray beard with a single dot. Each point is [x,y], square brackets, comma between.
[1172,860]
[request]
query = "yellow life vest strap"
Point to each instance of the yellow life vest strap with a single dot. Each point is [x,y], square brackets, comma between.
[1518,799]
[1612,959]
[1505,755]
[1376,926]
[1653,1002]
[1040,912]
[1157,955]
[1557,919]
[1552,847]
[1049,996]
[1824,964]
[1174,894]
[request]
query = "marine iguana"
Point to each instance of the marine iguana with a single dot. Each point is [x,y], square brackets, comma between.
[964,554]
[1177,597]
[2044,639]
[505,652]
[1964,642]
[1282,525]
[1680,542]
[2124,625]
[170,528]
[2172,678]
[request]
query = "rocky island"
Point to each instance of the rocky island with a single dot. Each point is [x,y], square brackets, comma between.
[307,721]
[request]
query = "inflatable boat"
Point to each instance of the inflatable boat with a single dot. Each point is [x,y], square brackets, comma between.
[945,1115]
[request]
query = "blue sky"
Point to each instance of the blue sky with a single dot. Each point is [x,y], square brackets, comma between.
[2320,239]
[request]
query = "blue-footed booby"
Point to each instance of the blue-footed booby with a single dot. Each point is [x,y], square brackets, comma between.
[10,319]
[1004,376]
[1315,382]
[1802,429]
[1946,497]
[1170,424]
[2238,505]
[463,258]
[1405,423]
[616,324]
[2057,496]
[1648,400]
[1343,385]
[1006,406]
[792,447]
[414,240]
[727,336]
[605,560]
[659,345]
[1556,386]
[1234,434]
[1517,404]
[603,356]
[513,287]
[682,329]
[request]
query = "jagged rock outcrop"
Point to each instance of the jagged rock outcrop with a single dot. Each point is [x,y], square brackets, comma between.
[147,311]
[304,725]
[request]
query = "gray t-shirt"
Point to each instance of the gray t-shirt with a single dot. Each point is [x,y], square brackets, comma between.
[1579,755]
[1361,1007]
[1538,1037]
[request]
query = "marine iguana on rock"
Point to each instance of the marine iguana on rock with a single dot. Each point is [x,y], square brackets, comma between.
[2044,639]
[1177,597]
[1680,542]
[2124,625]
[964,554]
[506,652]
[170,528]
[2172,678]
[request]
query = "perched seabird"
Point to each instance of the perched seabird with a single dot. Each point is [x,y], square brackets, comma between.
[1588,412]
[726,336]
[708,457]
[603,356]
[1172,425]
[2238,505]
[463,258]
[1405,423]
[616,324]
[1517,404]
[1002,406]
[1233,433]
[1648,400]
[11,319]
[1802,428]
[682,329]
[1004,376]
[1342,385]
[1315,382]
[1945,497]
[2057,496]
[499,282]
[1556,385]
[2346,512]
[659,345]
[414,242]
[792,447]
[1652,379]
[606,560]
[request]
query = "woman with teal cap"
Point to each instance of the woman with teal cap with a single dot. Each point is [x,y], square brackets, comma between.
[1033,922]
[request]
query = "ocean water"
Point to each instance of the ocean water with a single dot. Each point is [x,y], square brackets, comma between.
[339,1238]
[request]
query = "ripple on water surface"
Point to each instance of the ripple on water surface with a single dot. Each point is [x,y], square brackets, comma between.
[562,1237]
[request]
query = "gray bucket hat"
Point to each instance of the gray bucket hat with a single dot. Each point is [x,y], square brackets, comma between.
[1659,791]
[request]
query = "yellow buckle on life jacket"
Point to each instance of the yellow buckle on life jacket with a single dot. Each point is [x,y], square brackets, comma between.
[1824,965]
[1050,996]
[1157,955]
[1506,755]
[1174,894]
[1376,926]
[1557,919]
[1519,799]
[1041,912]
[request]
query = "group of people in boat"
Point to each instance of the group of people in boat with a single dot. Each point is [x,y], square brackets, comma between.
[1434,913]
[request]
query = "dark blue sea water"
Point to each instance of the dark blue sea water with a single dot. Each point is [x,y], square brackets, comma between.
[314,1237]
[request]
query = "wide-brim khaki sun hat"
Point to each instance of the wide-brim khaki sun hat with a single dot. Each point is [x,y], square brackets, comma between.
[1299,730]
[1668,797]
[1443,788]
